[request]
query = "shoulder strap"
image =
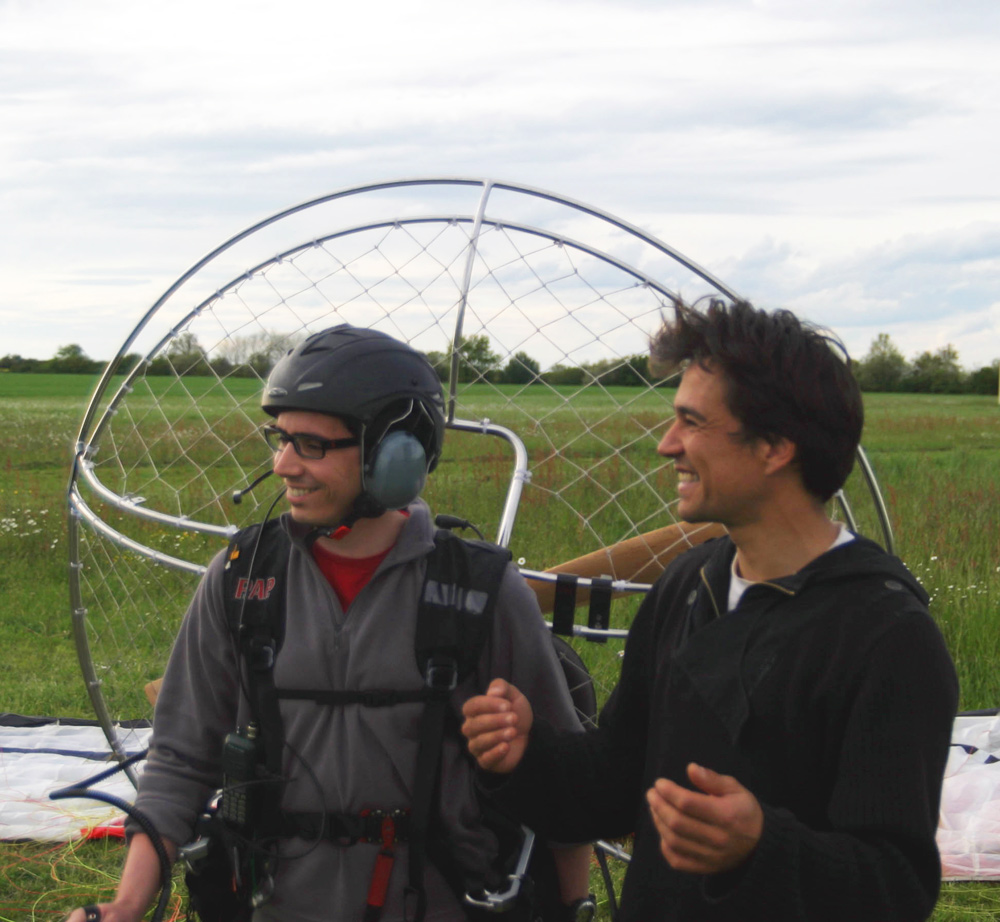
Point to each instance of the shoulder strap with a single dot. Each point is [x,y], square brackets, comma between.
[254,580]
[254,583]
[457,601]
[454,618]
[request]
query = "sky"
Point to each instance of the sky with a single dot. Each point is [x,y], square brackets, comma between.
[838,159]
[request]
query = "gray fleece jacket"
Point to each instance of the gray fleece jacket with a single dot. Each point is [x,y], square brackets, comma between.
[340,759]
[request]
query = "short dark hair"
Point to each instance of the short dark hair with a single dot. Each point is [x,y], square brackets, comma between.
[783,380]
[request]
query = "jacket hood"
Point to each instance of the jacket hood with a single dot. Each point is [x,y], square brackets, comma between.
[860,557]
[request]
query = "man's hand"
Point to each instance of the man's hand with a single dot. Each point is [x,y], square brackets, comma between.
[709,832]
[497,726]
[139,884]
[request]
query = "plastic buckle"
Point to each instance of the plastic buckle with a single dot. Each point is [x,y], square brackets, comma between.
[442,673]
[261,656]
[401,823]
[384,826]
[371,823]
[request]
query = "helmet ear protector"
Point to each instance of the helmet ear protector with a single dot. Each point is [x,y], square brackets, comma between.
[395,463]
[397,471]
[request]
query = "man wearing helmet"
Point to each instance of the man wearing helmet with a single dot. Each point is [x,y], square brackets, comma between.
[358,422]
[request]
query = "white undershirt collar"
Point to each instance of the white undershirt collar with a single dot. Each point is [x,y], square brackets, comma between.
[738,585]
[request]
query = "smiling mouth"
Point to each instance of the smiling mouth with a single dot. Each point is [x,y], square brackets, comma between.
[686,477]
[295,492]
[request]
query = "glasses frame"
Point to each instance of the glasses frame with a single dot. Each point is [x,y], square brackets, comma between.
[277,440]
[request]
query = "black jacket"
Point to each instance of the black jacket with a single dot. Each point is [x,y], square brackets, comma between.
[829,694]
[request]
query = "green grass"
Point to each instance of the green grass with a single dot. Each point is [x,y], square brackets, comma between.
[938,459]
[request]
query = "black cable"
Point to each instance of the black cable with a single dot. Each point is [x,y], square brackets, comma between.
[609,885]
[82,790]
[235,635]
[451,522]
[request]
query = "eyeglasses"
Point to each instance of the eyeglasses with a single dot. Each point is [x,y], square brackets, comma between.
[310,447]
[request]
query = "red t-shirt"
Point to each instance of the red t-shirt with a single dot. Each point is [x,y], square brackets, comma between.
[347,575]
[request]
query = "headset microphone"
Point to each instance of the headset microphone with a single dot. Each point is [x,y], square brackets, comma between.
[238,494]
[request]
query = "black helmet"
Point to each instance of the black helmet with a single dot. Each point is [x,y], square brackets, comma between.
[374,383]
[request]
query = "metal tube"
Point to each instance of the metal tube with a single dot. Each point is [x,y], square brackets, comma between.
[876,494]
[463,297]
[82,642]
[518,478]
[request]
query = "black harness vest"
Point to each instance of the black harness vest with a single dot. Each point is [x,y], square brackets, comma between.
[454,619]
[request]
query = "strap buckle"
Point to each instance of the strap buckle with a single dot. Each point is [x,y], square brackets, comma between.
[261,654]
[441,674]
[387,827]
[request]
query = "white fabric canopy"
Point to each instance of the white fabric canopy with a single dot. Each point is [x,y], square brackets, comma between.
[37,760]
[969,827]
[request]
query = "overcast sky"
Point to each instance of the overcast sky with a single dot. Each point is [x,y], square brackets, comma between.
[836,158]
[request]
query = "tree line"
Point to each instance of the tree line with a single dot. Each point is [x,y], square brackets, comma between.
[883,368]
[255,355]
[248,356]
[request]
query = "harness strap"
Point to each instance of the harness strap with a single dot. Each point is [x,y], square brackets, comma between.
[432,723]
[346,829]
[264,705]
[372,697]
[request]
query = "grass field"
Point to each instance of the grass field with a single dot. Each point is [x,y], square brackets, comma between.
[938,459]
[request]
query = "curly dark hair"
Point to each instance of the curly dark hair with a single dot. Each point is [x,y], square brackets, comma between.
[783,380]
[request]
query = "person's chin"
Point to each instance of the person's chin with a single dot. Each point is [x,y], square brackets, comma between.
[304,516]
[692,513]
[317,518]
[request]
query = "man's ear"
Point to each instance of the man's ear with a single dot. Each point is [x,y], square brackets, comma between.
[777,454]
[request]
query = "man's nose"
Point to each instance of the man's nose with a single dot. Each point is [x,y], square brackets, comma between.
[670,445]
[285,459]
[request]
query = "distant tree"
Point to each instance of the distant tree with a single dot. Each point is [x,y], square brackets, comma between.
[18,363]
[520,369]
[936,372]
[477,361]
[883,368]
[984,381]
[223,367]
[441,363]
[251,354]
[183,356]
[128,362]
[72,359]
[185,343]
[564,375]
[632,372]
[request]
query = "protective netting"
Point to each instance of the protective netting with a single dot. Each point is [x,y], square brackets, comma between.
[536,312]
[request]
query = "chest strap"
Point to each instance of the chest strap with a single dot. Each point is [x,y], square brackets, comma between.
[370,697]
